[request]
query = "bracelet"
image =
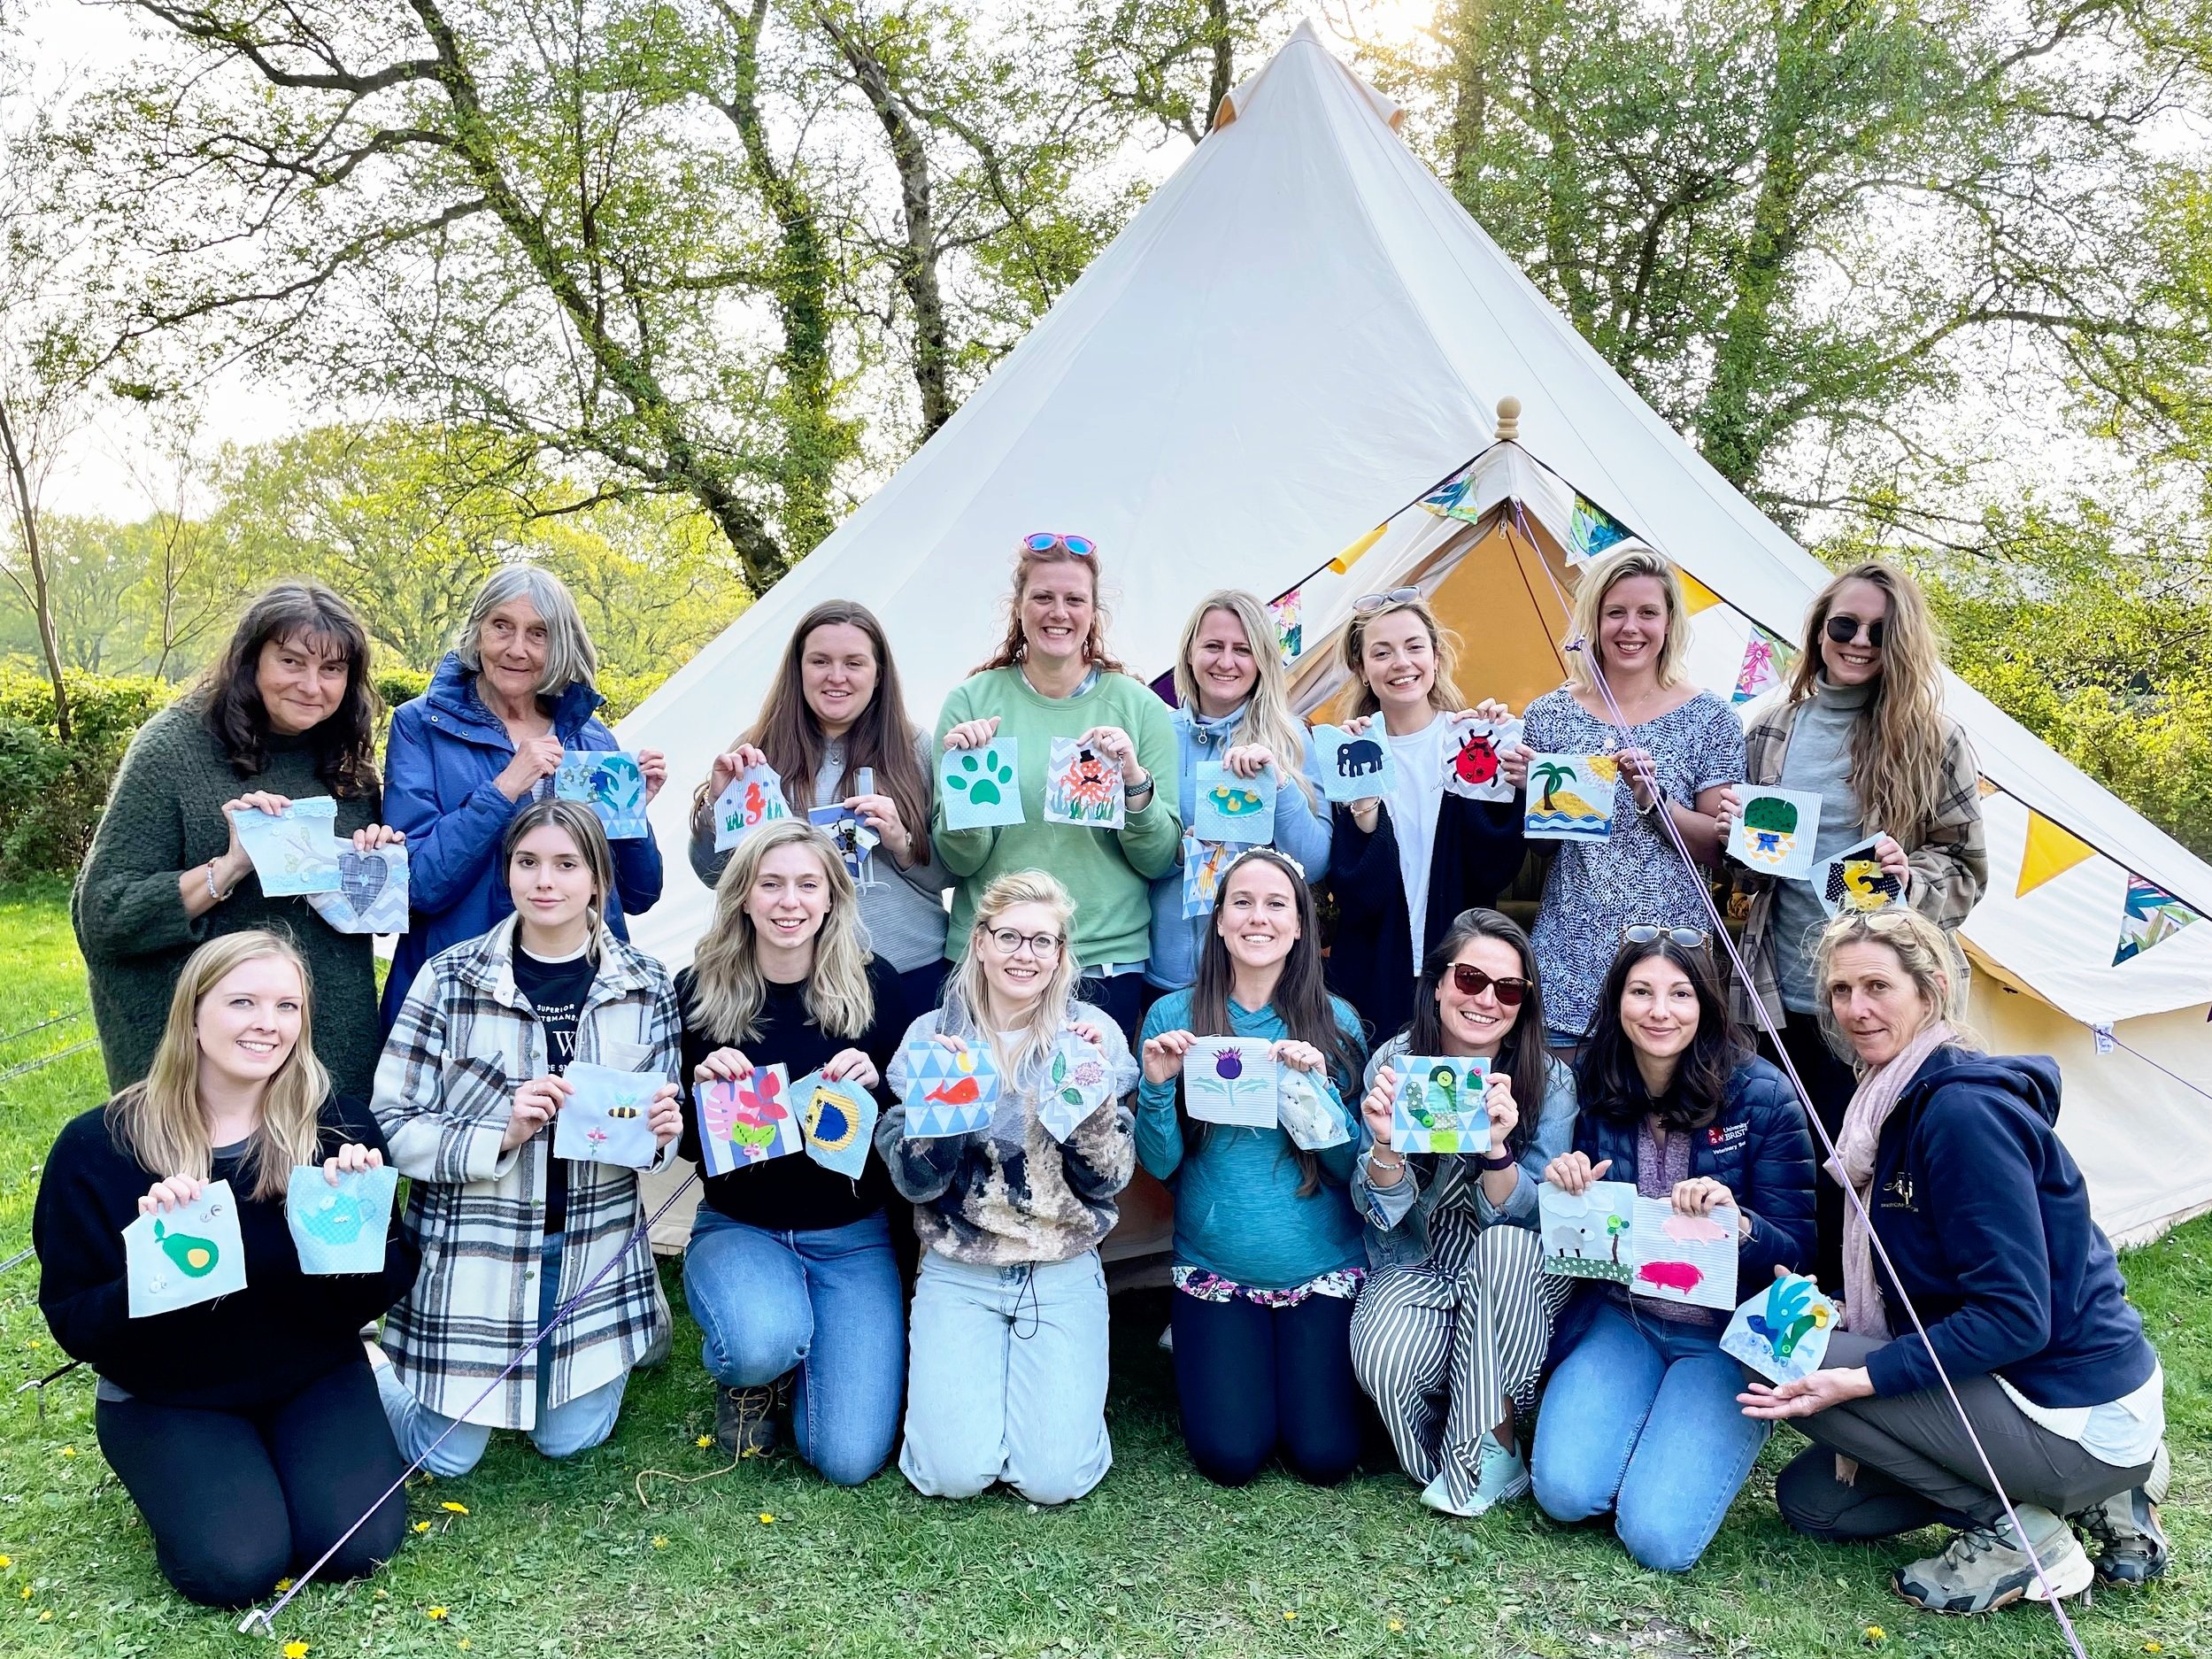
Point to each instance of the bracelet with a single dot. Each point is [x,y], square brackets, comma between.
[1146,788]
[211,892]
[1501,1160]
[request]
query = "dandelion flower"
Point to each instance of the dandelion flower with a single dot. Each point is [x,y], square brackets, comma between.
[68,1451]
[283,1585]
[450,1508]
[5,1564]
[27,1593]
[660,1541]
[766,1519]
[1290,1615]
[295,1650]
[434,1612]
[704,1441]
[2152,1647]
[1876,1633]
[422,1526]
[463,1644]
[46,1615]
[1397,1624]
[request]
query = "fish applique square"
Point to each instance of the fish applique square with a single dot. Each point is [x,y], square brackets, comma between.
[948,1091]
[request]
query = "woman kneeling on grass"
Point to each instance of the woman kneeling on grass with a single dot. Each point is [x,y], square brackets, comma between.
[246,1428]
[1006,1363]
[1269,1257]
[469,1087]
[1983,1222]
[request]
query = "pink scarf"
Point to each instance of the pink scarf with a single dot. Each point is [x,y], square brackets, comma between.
[1853,1165]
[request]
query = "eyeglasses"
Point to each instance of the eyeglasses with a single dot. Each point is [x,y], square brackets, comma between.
[1369,604]
[1044,946]
[1470,981]
[1844,630]
[1651,933]
[1051,542]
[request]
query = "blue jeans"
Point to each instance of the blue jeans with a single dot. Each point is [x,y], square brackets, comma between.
[575,1425]
[825,1303]
[1641,1419]
[1006,1379]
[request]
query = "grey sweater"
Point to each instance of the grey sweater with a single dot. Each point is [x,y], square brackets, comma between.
[1818,761]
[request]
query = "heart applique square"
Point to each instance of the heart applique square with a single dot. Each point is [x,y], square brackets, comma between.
[361,877]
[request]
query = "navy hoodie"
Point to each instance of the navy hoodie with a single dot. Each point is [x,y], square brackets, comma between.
[1986,1217]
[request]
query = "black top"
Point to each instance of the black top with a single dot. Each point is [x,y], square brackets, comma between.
[792,1193]
[241,1352]
[555,991]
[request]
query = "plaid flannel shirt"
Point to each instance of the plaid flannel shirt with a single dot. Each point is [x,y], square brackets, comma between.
[466,1039]
[1950,861]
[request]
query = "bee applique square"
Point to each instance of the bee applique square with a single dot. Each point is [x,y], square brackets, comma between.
[608,1117]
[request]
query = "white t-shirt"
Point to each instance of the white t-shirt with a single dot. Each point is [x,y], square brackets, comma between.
[1415,798]
[2122,1433]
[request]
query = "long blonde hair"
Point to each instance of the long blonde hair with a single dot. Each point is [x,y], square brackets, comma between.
[1929,957]
[1590,597]
[159,1121]
[1443,691]
[1897,741]
[727,991]
[967,998]
[1267,719]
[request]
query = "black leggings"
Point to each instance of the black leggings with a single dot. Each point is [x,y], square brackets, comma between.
[236,1500]
[1251,1380]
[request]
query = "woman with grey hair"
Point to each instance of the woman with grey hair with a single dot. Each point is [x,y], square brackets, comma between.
[486,738]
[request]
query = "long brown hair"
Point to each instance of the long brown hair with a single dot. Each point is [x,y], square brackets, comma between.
[882,738]
[158,1122]
[230,691]
[1359,697]
[1027,561]
[581,825]
[1524,1055]
[727,991]
[1897,741]
[1301,1000]
[1609,1084]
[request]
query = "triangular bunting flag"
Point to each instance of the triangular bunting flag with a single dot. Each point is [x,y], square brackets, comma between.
[2050,852]
[1344,560]
[1695,593]
[1448,499]
[1289,613]
[1765,656]
[1590,530]
[2151,917]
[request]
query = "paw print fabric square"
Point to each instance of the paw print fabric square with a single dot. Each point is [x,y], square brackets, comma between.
[981,787]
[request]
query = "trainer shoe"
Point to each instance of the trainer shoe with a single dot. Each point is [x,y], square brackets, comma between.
[2131,1547]
[1499,1477]
[1986,1568]
[744,1421]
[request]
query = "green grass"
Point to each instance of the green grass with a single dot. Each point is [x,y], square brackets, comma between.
[567,1559]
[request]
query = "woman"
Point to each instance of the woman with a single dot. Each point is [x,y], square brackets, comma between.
[1007,1364]
[1452,1329]
[1862,728]
[791,1267]
[1232,709]
[1053,677]
[1986,1244]
[486,738]
[1640,1417]
[469,1087]
[1268,1257]
[834,716]
[1401,869]
[287,712]
[246,1428]
[1687,745]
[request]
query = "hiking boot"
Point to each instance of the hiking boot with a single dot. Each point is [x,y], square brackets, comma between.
[2131,1547]
[744,1421]
[1984,1568]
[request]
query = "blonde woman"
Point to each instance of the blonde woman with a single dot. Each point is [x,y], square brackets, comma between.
[1232,707]
[1007,1369]
[1863,727]
[1686,746]
[246,1428]
[469,1087]
[790,1272]
[1402,868]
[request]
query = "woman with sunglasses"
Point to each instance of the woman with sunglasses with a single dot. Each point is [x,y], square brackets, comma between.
[1863,727]
[1640,1419]
[1268,1258]
[1232,709]
[1052,677]
[1685,745]
[1452,1328]
[1402,867]
[1006,1356]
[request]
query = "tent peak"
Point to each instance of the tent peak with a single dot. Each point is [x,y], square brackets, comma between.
[1237,100]
[1509,420]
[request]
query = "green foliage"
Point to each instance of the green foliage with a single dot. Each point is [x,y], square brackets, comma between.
[52,793]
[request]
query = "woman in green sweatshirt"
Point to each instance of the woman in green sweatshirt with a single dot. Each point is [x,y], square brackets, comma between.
[1053,677]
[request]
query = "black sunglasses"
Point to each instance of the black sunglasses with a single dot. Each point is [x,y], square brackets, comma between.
[1844,630]
[1651,933]
[1471,981]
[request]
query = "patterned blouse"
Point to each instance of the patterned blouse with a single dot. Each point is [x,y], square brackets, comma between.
[1597,888]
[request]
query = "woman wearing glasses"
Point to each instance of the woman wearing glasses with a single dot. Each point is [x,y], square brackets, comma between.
[1863,727]
[1685,746]
[1006,1356]
[1641,1419]
[1053,677]
[1451,1332]
[1232,709]
[1402,865]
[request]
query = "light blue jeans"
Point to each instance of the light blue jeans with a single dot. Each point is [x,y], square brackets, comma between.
[575,1425]
[826,1302]
[1641,1419]
[1006,1379]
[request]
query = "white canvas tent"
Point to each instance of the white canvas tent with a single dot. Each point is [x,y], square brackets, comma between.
[1302,330]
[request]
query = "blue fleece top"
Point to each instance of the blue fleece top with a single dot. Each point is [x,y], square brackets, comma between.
[1986,1216]
[1299,829]
[1237,1211]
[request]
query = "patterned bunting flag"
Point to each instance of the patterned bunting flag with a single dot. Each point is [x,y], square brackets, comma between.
[1448,499]
[2151,917]
[1765,656]
[1590,530]
[1289,624]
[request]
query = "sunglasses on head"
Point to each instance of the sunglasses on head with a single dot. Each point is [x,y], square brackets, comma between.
[1844,630]
[1470,981]
[1651,933]
[1369,604]
[1050,542]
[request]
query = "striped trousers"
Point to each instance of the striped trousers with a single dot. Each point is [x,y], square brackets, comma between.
[1442,1346]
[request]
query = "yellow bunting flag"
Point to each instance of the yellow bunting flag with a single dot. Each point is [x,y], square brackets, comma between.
[1695,593]
[1344,560]
[2050,852]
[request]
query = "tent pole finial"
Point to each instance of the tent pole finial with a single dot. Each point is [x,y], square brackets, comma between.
[1508,419]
